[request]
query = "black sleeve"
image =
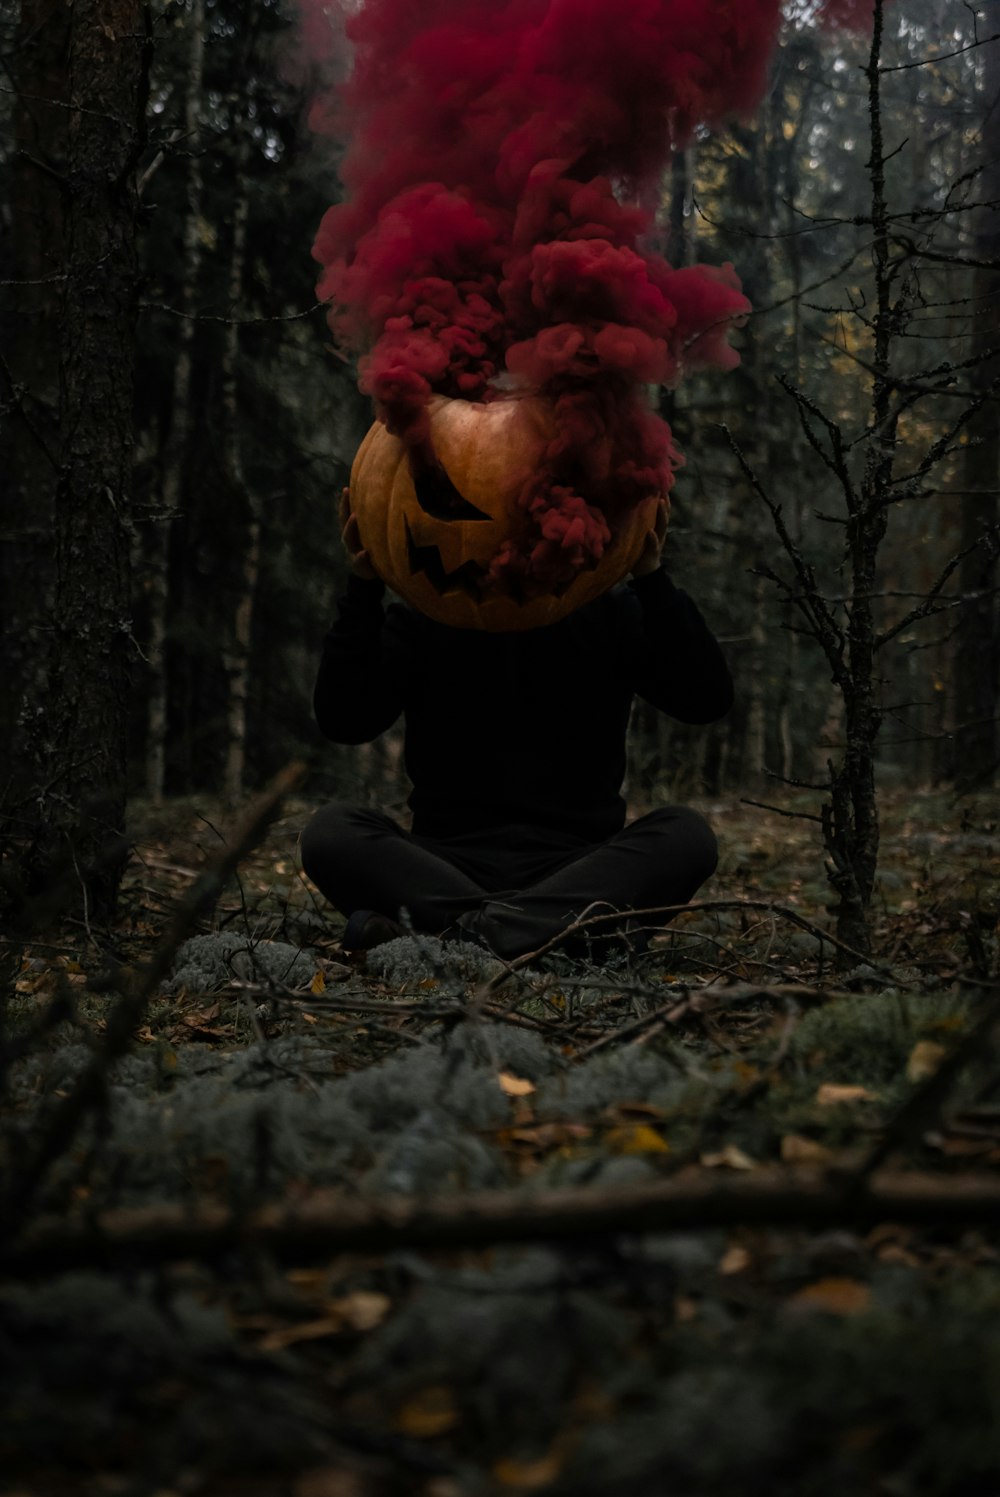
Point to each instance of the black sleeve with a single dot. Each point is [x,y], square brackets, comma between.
[359,687]
[677,664]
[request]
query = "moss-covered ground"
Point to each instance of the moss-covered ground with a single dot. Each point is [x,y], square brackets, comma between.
[834,1359]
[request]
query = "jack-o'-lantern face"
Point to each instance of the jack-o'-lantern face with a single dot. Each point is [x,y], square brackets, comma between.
[433,535]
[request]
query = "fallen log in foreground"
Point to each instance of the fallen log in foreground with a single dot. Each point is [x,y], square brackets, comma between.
[326,1223]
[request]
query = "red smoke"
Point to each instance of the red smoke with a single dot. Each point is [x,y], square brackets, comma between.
[847,15]
[503,168]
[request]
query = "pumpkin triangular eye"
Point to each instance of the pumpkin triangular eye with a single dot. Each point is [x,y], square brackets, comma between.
[438,496]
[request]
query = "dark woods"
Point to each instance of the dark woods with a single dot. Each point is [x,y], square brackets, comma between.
[169,561]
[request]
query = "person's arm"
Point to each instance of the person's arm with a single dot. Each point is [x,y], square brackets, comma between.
[678,665]
[359,687]
[676,662]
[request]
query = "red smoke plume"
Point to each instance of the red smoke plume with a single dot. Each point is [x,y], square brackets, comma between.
[502,173]
[847,15]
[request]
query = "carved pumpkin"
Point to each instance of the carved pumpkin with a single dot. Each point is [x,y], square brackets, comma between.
[432,539]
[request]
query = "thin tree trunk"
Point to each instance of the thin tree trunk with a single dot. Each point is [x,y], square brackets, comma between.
[176,454]
[977,655]
[756,186]
[758,705]
[851,819]
[31,299]
[237,657]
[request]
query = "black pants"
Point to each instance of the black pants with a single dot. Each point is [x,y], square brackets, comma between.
[513,888]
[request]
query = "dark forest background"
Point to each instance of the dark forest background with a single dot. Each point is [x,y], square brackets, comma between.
[852,456]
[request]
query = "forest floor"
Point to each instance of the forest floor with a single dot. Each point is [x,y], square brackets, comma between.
[206,1291]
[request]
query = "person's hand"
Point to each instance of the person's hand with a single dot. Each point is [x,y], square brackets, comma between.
[650,556]
[360,561]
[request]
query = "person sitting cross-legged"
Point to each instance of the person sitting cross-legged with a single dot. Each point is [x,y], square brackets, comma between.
[515,746]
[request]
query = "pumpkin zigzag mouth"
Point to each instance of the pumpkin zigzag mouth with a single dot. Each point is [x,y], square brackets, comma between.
[427,559]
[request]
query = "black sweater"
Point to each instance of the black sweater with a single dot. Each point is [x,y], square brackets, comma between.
[524,727]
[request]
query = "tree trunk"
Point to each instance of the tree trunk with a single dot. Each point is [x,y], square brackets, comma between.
[79,723]
[977,656]
[851,817]
[30,313]
[236,658]
[177,451]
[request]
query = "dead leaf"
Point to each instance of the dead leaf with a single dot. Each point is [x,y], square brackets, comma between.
[544,1136]
[685,1309]
[626,1111]
[797,1149]
[637,1138]
[528,1476]
[925,1058]
[328,1482]
[515,1086]
[311,1282]
[861,1437]
[318,984]
[306,1330]
[427,1414]
[961,1148]
[835,1295]
[732,1157]
[894,1252]
[830,1094]
[735,1260]
[363,1310]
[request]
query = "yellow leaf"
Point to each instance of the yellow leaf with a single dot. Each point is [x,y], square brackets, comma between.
[528,1476]
[732,1157]
[797,1149]
[835,1295]
[515,1086]
[427,1414]
[637,1138]
[925,1058]
[832,1095]
[318,984]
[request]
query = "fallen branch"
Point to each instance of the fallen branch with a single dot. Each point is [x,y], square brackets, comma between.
[591,924]
[327,1224]
[700,1002]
